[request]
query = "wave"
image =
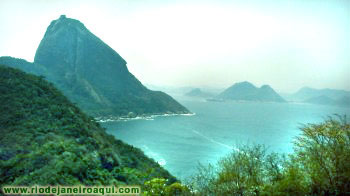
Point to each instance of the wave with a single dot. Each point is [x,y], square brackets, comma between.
[149,117]
[161,161]
[216,142]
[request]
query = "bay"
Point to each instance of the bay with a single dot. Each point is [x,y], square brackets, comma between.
[180,143]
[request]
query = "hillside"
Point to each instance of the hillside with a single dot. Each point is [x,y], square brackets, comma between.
[197,92]
[92,74]
[45,139]
[321,96]
[308,93]
[23,65]
[343,101]
[321,100]
[245,91]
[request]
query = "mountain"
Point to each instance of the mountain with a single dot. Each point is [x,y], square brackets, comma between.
[23,65]
[92,74]
[45,139]
[321,96]
[322,100]
[246,91]
[197,92]
[306,93]
[343,101]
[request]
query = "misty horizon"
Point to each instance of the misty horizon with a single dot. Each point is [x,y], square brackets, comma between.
[287,45]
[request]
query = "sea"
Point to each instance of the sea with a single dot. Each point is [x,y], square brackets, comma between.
[181,143]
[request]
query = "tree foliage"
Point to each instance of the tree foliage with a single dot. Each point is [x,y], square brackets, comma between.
[324,150]
[319,166]
[45,139]
[159,187]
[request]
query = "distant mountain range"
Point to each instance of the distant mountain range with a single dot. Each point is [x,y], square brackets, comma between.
[197,92]
[321,96]
[92,74]
[307,93]
[245,91]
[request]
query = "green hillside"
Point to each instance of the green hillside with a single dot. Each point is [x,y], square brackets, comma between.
[45,139]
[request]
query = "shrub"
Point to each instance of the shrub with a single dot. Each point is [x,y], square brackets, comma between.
[319,166]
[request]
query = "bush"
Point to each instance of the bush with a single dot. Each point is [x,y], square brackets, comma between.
[319,166]
[324,150]
[159,187]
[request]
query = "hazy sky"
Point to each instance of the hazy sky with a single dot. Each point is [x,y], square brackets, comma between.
[287,44]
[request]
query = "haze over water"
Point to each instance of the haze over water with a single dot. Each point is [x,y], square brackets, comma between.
[179,143]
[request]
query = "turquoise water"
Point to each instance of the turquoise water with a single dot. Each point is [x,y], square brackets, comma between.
[179,143]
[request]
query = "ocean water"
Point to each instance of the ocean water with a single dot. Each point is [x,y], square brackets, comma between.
[180,143]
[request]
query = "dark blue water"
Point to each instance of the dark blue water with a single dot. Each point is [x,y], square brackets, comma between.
[179,143]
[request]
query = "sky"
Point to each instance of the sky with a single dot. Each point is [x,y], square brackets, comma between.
[287,44]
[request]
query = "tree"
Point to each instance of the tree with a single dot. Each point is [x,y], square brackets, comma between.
[320,165]
[324,150]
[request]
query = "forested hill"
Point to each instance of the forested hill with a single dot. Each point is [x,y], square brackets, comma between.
[45,139]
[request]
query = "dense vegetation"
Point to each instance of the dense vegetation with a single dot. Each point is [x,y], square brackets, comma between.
[319,166]
[45,139]
[108,99]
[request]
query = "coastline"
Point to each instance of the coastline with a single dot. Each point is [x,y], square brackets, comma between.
[104,119]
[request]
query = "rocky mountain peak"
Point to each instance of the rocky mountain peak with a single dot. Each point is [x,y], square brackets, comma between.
[64,23]
[95,75]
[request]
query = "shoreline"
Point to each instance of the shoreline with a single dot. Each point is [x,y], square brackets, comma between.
[104,119]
